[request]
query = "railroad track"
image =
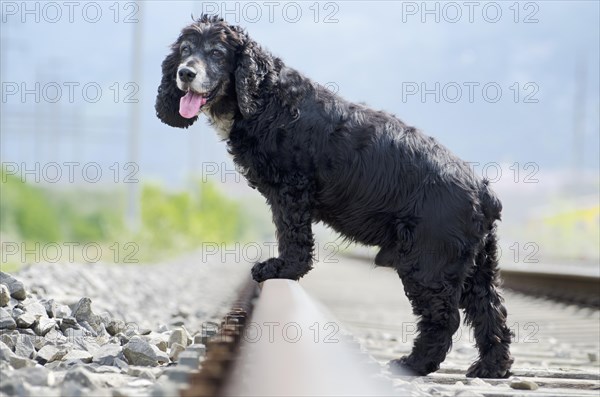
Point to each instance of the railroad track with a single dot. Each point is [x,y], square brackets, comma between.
[556,346]
[574,284]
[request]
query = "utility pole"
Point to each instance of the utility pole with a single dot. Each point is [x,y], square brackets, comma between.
[579,103]
[4,45]
[133,192]
[196,145]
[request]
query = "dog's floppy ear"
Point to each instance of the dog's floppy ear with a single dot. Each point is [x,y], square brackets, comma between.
[253,64]
[167,99]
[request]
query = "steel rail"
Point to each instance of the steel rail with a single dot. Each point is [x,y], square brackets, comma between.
[280,342]
[287,352]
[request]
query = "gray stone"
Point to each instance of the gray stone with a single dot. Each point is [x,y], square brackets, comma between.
[131,332]
[24,346]
[139,352]
[61,311]
[81,355]
[176,348]
[84,343]
[129,391]
[15,287]
[81,376]
[114,380]
[45,391]
[104,369]
[38,342]
[9,338]
[161,356]
[35,308]
[37,376]
[113,327]
[140,383]
[58,365]
[159,340]
[523,384]
[83,313]
[16,312]
[183,312]
[44,325]
[85,325]
[73,333]
[177,322]
[102,331]
[68,323]
[141,372]
[26,320]
[123,339]
[162,345]
[55,337]
[13,387]
[21,362]
[121,364]
[73,389]
[107,354]
[468,393]
[49,305]
[54,309]
[26,331]
[15,361]
[6,321]
[178,336]
[50,353]
[4,295]
[5,351]
[5,367]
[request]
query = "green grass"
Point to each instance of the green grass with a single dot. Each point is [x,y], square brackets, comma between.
[171,222]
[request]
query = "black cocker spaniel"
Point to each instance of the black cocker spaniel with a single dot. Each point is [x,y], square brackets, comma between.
[317,157]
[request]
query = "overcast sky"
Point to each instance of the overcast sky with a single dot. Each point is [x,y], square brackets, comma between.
[504,75]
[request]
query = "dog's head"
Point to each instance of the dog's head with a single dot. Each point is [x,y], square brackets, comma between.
[209,61]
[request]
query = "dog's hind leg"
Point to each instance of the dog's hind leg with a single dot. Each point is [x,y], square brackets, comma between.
[437,306]
[485,311]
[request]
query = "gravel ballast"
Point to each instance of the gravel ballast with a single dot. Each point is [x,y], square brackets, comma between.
[105,329]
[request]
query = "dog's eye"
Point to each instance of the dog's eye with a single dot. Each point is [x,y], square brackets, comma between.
[185,50]
[216,54]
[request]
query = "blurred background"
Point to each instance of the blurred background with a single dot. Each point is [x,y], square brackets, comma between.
[90,174]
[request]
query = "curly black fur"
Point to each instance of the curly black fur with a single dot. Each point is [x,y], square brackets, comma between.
[317,157]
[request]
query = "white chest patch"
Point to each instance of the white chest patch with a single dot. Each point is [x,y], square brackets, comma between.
[222,125]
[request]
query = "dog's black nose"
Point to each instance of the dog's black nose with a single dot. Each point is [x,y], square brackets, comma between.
[186,75]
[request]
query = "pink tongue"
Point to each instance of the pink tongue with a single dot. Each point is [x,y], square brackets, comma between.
[190,104]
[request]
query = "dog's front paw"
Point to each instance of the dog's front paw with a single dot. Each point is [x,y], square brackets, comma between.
[271,268]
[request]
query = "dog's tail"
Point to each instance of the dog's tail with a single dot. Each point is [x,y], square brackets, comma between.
[490,204]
